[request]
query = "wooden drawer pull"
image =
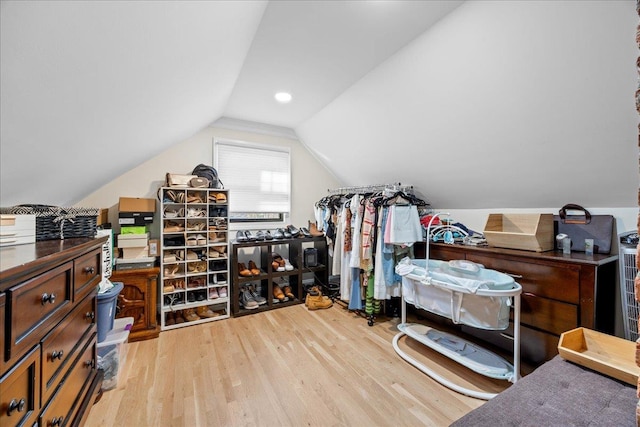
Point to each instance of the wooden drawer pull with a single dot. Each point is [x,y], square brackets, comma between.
[57,354]
[529,294]
[90,315]
[89,363]
[15,405]
[48,298]
[89,270]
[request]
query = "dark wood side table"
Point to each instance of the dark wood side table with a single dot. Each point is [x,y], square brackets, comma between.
[138,299]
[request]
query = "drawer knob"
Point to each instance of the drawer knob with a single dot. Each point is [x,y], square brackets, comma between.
[15,405]
[57,354]
[57,421]
[89,363]
[89,270]
[90,315]
[48,298]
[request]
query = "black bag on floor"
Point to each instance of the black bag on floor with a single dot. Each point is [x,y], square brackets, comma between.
[577,223]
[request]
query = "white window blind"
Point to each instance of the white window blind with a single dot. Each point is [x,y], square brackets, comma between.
[258,177]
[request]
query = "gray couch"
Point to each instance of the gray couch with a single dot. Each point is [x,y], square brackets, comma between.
[559,393]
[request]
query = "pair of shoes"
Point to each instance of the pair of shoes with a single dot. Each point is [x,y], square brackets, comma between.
[282,233]
[174,317]
[253,269]
[247,300]
[172,227]
[288,292]
[318,302]
[196,240]
[241,236]
[218,197]
[277,262]
[256,296]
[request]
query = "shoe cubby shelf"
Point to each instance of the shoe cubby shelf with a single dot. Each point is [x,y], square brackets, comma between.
[270,286]
[194,285]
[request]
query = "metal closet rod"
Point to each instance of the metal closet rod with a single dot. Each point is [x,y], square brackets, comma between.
[372,188]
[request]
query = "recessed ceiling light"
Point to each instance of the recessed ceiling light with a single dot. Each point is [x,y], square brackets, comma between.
[283,97]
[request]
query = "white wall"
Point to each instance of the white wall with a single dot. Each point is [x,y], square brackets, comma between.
[309,179]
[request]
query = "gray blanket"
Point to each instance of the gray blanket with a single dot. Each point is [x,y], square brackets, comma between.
[559,393]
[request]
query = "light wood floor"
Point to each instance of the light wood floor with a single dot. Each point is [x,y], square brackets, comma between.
[286,367]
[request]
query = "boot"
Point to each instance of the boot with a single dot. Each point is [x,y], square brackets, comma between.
[313,229]
[243,270]
[318,302]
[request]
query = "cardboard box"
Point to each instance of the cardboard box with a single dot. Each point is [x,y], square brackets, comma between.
[134,229]
[103,217]
[136,204]
[135,218]
[133,240]
[135,252]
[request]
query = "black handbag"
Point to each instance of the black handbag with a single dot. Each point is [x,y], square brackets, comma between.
[577,223]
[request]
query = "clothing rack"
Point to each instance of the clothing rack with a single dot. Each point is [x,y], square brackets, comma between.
[372,188]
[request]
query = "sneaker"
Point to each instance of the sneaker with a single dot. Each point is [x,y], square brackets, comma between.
[287,265]
[213,293]
[256,296]
[222,292]
[246,300]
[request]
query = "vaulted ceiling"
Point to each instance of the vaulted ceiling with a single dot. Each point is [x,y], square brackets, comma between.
[478,104]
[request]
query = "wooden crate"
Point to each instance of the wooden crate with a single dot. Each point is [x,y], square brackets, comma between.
[529,232]
[607,354]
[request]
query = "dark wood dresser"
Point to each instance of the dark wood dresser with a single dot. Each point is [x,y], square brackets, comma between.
[559,292]
[48,303]
[138,299]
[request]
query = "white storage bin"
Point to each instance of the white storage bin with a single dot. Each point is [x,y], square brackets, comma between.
[112,352]
[17,229]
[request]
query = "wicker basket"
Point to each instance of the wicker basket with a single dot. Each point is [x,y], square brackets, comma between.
[53,222]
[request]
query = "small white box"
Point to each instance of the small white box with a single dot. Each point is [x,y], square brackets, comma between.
[112,352]
[17,229]
[133,240]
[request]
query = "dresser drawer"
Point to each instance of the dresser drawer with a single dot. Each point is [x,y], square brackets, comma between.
[20,391]
[37,304]
[61,345]
[86,274]
[549,315]
[560,282]
[64,404]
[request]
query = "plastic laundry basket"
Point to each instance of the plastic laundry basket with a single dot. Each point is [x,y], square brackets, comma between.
[107,310]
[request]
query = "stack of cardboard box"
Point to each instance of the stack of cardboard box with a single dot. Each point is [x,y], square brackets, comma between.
[135,247]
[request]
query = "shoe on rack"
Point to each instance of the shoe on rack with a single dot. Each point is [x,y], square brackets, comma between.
[205,312]
[304,232]
[179,318]
[313,230]
[293,230]
[277,262]
[170,319]
[250,237]
[246,299]
[287,265]
[277,293]
[243,270]
[241,236]
[287,291]
[256,296]
[318,302]
[254,268]
[260,236]
[278,234]
[190,315]
[213,293]
[287,234]
[268,235]
[222,292]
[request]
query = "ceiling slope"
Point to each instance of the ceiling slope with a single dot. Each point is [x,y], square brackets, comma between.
[500,104]
[317,49]
[92,89]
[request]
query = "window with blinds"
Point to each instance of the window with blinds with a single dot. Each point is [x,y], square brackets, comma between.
[259,178]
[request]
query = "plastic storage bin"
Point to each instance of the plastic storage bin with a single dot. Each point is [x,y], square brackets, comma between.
[112,352]
[107,310]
